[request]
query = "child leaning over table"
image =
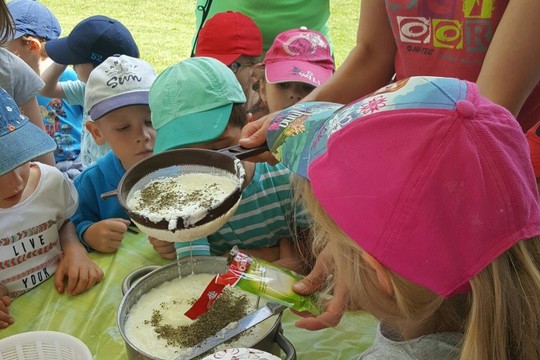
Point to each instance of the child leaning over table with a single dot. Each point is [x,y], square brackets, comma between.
[438,240]
[37,240]
[117,99]
[198,103]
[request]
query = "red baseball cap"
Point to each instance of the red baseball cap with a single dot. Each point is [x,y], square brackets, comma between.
[227,36]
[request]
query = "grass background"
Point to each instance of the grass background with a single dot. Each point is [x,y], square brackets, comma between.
[163,30]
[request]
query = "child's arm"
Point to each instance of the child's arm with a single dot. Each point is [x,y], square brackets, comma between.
[106,235]
[50,77]
[370,63]
[5,300]
[100,231]
[501,80]
[81,272]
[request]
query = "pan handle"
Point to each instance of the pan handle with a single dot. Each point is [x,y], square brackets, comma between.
[109,194]
[285,345]
[242,153]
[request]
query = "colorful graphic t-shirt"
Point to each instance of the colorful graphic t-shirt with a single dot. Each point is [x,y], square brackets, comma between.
[449,38]
[63,122]
[29,242]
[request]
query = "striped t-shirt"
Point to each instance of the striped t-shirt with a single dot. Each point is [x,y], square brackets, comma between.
[263,217]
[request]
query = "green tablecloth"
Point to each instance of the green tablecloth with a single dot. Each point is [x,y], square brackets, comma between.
[91,316]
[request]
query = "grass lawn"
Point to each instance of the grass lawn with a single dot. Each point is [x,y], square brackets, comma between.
[164,29]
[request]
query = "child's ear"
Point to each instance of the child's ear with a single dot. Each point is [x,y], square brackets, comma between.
[262,90]
[257,73]
[34,44]
[96,133]
[382,274]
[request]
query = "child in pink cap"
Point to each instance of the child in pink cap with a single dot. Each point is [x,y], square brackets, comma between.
[298,61]
[424,201]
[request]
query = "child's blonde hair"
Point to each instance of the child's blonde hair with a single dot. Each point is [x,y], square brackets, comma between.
[500,317]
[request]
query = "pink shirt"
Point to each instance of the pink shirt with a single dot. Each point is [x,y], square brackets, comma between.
[449,38]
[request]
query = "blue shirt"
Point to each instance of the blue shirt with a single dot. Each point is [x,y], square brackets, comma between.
[103,176]
[63,122]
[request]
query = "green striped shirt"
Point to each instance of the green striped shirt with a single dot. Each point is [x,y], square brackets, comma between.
[263,217]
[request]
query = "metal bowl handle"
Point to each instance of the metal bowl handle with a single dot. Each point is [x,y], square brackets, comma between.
[242,153]
[285,345]
[136,275]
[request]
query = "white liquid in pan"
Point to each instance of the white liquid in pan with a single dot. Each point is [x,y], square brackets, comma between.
[172,299]
[187,196]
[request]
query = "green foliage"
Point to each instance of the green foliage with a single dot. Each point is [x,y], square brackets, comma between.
[164,29]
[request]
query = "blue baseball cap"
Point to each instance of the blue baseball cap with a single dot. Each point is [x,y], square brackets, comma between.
[93,40]
[33,18]
[20,140]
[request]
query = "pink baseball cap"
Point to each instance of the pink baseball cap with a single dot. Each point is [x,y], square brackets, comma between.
[299,55]
[426,175]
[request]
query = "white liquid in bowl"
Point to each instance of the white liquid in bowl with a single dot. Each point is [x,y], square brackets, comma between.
[187,196]
[172,299]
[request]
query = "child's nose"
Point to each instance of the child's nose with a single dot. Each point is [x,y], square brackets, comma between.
[295,97]
[145,136]
[296,93]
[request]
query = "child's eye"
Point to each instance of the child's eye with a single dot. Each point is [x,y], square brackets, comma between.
[123,128]
[148,123]
[307,88]
[284,85]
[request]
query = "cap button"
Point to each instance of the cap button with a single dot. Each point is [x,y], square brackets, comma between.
[303,28]
[466,108]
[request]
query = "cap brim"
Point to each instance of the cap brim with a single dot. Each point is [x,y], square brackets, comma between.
[60,52]
[294,140]
[192,129]
[116,102]
[18,34]
[227,59]
[295,70]
[22,145]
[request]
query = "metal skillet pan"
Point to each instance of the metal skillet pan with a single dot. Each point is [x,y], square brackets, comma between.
[179,162]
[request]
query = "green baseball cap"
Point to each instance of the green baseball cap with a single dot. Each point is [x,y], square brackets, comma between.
[191,102]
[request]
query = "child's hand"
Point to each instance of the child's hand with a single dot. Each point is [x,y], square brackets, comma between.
[106,235]
[254,134]
[334,308]
[5,318]
[81,272]
[165,249]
